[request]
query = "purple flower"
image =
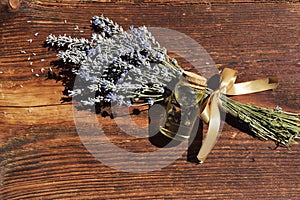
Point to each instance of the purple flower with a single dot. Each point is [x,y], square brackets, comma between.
[128,103]
[112,96]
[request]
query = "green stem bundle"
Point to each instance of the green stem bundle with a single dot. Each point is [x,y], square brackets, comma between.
[277,125]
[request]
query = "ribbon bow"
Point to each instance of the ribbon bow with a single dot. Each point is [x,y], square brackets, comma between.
[211,108]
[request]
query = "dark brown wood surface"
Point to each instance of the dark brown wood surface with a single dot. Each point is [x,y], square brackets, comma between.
[41,154]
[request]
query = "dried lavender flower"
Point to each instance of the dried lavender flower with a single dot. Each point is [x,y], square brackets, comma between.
[105,27]
[67,42]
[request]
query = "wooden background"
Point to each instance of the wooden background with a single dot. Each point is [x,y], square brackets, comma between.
[41,154]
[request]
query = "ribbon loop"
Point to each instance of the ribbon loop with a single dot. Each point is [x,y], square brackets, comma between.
[211,108]
[228,77]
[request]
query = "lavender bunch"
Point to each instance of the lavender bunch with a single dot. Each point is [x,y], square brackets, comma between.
[131,68]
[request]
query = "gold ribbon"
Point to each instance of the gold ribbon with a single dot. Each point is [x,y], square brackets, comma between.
[211,108]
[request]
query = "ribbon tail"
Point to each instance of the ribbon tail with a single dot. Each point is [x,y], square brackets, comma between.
[213,130]
[253,86]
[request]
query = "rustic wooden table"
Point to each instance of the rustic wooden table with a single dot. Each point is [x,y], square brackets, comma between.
[42,156]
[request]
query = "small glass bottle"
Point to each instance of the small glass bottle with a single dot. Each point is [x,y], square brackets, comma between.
[182,108]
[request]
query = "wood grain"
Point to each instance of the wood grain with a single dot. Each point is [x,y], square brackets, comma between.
[42,156]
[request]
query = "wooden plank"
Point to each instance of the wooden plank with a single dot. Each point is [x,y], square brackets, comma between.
[42,156]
